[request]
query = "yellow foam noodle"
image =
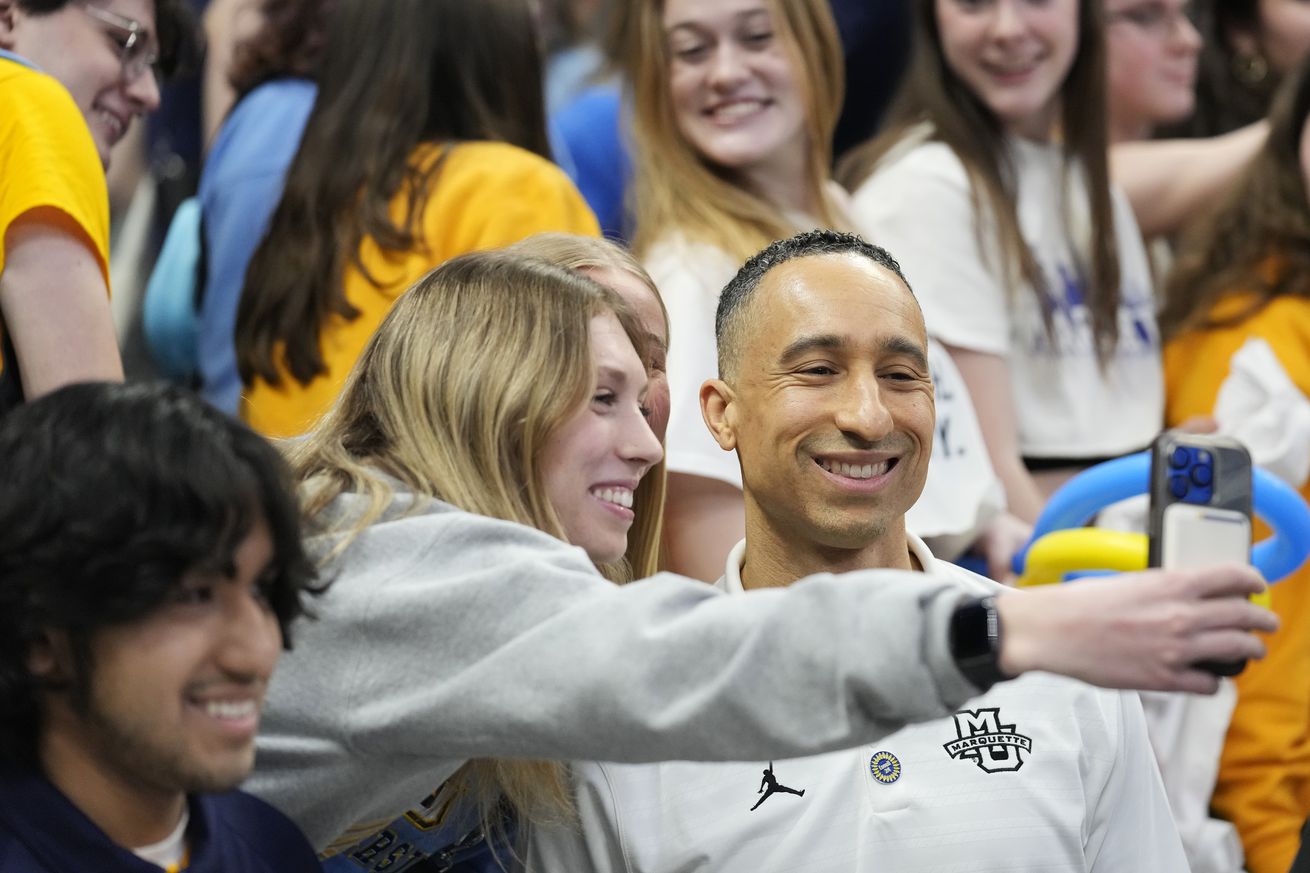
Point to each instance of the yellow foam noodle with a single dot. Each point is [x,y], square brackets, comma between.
[1080,549]
[1089,548]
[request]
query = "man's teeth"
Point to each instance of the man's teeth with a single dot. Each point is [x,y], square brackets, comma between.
[617,496]
[230,710]
[856,471]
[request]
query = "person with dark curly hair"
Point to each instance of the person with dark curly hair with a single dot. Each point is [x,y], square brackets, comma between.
[150,566]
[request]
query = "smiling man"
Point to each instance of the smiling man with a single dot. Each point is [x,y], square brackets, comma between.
[827,398]
[150,563]
[74,74]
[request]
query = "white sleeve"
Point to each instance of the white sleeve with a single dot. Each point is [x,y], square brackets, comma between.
[1130,825]
[1259,405]
[660,669]
[690,278]
[920,210]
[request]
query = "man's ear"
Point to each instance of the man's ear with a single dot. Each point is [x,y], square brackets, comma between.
[720,412]
[7,23]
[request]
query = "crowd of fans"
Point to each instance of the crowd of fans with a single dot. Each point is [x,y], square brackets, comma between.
[495,330]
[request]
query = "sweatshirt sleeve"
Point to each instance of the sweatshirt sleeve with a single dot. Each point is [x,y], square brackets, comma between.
[451,636]
[530,653]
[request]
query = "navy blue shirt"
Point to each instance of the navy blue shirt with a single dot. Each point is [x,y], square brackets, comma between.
[41,831]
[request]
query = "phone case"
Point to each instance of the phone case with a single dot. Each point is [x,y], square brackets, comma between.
[1200,470]
[1200,511]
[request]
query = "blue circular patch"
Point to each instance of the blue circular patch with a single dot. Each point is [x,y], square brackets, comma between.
[885,767]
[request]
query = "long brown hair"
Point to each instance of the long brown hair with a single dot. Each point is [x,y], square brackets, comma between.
[1258,241]
[288,43]
[462,415]
[934,93]
[395,74]
[674,188]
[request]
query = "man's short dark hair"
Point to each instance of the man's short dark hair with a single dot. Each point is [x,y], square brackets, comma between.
[733,302]
[176,30]
[109,494]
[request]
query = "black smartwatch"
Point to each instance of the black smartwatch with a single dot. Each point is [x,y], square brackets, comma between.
[975,640]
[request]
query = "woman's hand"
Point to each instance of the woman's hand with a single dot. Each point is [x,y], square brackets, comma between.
[1142,630]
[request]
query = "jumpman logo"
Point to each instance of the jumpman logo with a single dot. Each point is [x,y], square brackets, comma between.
[769,785]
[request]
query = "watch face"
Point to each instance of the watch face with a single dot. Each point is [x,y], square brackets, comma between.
[975,641]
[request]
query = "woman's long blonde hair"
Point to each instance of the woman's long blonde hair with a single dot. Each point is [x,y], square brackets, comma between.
[585,254]
[455,396]
[675,188]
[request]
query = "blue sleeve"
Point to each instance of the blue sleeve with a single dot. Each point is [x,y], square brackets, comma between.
[589,132]
[239,190]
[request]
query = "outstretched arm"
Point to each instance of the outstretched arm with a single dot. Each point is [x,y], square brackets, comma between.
[1139,630]
[1168,181]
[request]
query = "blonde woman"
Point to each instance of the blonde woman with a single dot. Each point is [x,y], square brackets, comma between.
[460,494]
[612,266]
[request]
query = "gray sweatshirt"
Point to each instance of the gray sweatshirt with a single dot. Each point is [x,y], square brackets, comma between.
[445,636]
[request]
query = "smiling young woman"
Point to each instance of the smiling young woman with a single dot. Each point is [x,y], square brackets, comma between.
[614,267]
[726,92]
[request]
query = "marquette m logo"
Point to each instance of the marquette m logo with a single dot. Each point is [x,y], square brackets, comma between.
[993,746]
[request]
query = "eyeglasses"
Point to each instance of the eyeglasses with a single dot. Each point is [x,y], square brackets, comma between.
[1154,19]
[135,54]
